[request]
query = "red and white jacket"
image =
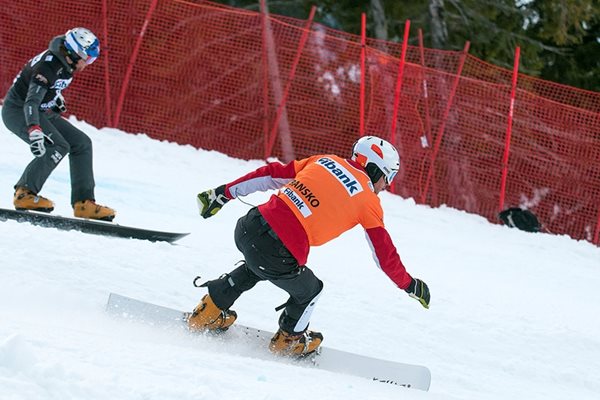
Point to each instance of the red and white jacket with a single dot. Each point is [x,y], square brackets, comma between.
[320,198]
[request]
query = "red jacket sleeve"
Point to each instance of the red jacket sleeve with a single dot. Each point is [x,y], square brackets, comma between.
[386,256]
[271,176]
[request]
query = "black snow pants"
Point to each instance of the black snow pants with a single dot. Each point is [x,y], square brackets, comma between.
[266,258]
[67,140]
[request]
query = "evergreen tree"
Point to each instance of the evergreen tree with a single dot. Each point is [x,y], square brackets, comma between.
[559,39]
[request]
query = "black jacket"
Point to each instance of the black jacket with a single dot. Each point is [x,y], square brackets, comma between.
[41,81]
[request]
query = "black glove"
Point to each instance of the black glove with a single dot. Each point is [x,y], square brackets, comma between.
[38,140]
[419,290]
[211,201]
[60,105]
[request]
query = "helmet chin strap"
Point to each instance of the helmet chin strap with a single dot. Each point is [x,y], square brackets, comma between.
[373,172]
[69,63]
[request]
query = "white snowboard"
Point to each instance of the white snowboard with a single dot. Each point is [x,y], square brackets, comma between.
[390,372]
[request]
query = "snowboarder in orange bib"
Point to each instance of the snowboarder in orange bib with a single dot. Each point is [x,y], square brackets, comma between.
[320,198]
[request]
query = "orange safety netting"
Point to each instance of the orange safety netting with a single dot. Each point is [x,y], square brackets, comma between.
[255,87]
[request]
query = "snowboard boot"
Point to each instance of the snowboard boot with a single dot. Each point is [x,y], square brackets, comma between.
[287,344]
[90,210]
[208,317]
[25,199]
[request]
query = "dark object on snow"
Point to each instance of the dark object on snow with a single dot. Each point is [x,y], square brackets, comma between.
[524,220]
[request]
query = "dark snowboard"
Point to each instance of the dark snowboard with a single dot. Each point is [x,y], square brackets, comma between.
[88,226]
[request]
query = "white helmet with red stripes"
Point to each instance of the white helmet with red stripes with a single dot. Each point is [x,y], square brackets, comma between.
[378,157]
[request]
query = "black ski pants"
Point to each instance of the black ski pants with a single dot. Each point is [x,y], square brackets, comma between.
[266,258]
[67,140]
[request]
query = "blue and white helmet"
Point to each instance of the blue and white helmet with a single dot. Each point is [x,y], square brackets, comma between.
[82,43]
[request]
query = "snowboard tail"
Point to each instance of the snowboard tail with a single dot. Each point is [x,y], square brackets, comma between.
[252,342]
[93,227]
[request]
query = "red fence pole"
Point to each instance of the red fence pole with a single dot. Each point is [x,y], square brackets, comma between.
[287,148]
[399,82]
[132,62]
[291,78]
[426,138]
[597,233]
[363,72]
[425,89]
[440,134]
[263,17]
[513,92]
[105,50]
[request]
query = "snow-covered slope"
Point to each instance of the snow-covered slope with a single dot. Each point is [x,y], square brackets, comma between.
[513,315]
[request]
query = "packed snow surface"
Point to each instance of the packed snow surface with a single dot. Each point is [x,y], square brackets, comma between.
[513,315]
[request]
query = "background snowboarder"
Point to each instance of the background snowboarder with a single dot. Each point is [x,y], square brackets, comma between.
[32,109]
